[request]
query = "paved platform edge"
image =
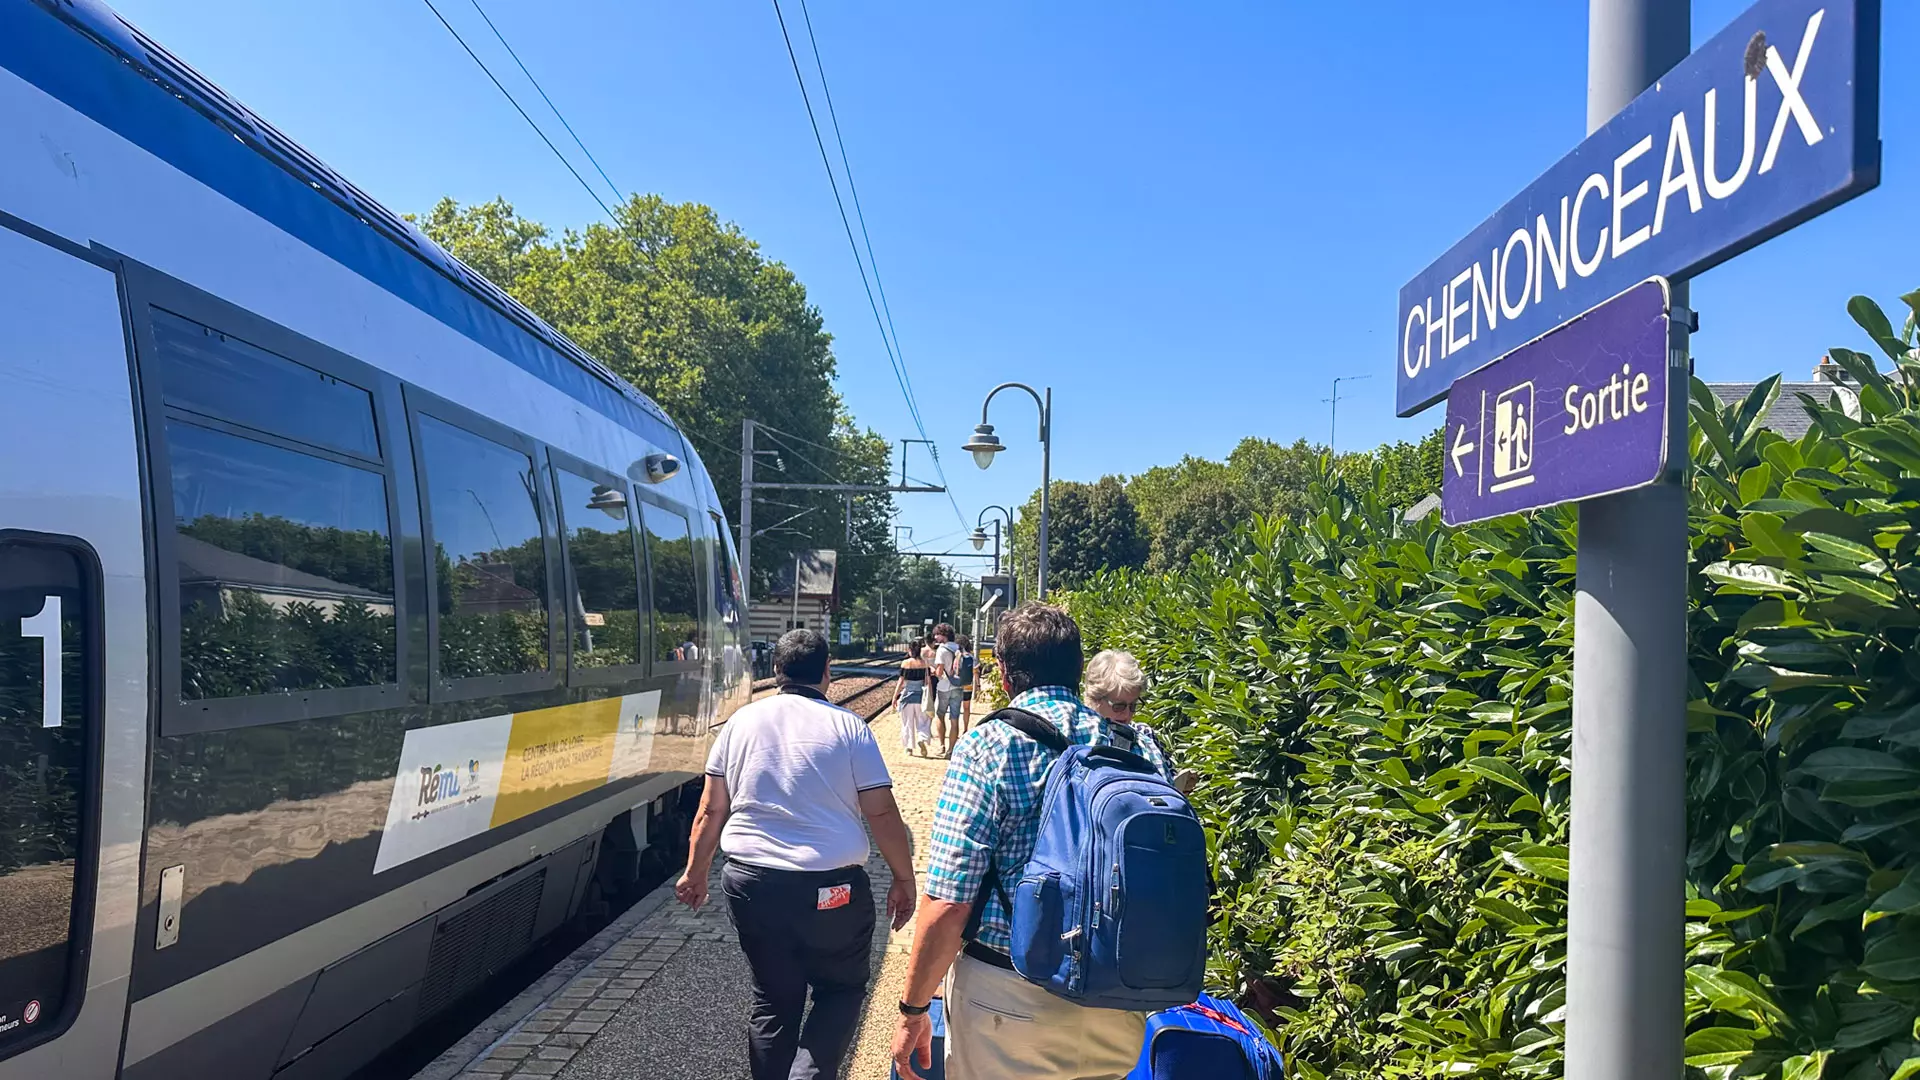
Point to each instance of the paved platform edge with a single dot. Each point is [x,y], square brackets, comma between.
[508,1019]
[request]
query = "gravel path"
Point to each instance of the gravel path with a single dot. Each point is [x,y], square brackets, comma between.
[916,786]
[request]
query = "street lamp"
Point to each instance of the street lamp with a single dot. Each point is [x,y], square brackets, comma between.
[985,444]
[979,536]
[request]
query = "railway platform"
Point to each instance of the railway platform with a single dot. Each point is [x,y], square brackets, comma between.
[663,992]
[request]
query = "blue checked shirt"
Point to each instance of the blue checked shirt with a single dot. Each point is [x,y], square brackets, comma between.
[989,808]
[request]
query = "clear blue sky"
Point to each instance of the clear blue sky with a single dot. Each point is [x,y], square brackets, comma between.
[1187,219]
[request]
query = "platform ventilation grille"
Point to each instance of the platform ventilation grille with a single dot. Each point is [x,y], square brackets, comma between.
[471,946]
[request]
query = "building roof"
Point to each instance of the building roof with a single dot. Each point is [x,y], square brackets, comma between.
[818,570]
[202,563]
[1788,416]
[1427,505]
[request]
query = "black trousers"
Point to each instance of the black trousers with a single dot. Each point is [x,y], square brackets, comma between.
[793,943]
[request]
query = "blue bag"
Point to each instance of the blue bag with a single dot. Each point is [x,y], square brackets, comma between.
[1111,910]
[1210,1039]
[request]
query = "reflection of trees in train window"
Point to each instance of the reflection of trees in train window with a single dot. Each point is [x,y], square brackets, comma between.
[484,509]
[43,778]
[676,609]
[732,612]
[285,568]
[606,583]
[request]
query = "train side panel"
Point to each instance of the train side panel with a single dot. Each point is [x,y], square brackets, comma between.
[70,535]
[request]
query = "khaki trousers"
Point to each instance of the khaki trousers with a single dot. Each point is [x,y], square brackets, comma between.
[1002,1027]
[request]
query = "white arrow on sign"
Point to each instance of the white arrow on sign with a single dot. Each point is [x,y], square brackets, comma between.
[1461,448]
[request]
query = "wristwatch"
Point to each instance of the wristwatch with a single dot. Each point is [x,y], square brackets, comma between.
[914,1010]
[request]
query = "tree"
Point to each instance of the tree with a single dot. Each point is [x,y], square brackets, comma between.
[1410,471]
[1203,516]
[1090,527]
[1274,479]
[1154,492]
[687,309]
[924,589]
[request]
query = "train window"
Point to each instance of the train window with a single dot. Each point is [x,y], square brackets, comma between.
[490,557]
[726,590]
[676,597]
[47,628]
[285,568]
[726,579]
[603,574]
[206,371]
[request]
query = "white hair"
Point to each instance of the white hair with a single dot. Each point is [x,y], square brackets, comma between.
[1111,673]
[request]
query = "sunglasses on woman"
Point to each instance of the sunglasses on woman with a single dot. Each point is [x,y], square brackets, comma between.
[1124,706]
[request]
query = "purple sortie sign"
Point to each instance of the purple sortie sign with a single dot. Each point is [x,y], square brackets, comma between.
[1578,412]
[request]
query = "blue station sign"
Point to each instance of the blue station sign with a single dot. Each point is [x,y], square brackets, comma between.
[1578,413]
[1774,120]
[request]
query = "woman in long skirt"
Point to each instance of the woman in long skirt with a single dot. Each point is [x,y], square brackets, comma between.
[915,726]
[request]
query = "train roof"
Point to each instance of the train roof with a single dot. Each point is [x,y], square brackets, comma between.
[87,56]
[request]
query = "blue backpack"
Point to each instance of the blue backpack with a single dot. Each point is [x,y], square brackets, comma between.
[1210,1039]
[1111,910]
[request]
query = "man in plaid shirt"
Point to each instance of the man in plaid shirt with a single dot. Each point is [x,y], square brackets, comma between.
[984,828]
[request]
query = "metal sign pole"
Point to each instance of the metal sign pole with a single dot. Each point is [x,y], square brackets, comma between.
[1625,950]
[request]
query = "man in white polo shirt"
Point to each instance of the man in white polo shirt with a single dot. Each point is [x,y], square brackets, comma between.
[788,783]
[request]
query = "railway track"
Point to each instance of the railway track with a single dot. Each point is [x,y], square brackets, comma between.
[863,686]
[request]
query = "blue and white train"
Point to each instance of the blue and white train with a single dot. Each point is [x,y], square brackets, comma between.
[356,628]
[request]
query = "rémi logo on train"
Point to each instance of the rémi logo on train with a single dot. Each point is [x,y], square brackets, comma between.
[441,786]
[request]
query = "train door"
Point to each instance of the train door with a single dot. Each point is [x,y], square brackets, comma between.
[73,663]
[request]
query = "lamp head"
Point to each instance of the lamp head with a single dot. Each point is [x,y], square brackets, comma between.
[609,501]
[983,445]
[979,538]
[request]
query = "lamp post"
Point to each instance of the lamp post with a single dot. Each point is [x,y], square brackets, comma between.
[985,444]
[1333,414]
[979,536]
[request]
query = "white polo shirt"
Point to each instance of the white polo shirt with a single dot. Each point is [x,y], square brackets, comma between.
[795,765]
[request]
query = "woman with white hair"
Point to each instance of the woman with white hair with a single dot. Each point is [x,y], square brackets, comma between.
[1113,686]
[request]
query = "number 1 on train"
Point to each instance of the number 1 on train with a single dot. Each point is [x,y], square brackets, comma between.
[46,626]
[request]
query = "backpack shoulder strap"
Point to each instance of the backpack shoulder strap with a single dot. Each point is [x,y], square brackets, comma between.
[1037,728]
[1033,727]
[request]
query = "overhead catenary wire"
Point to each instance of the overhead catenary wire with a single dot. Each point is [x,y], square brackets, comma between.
[846,167]
[613,219]
[619,196]
[817,467]
[806,99]
[537,130]
[889,336]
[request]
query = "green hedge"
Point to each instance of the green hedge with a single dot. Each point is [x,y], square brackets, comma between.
[1379,713]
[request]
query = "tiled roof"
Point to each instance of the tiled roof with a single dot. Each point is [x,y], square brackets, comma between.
[1787,416]
[202,563]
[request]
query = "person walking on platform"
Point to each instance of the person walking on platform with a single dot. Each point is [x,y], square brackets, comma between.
[911,701]
[946,703]
[1114,686]
[788,782]
[986,824]
[963,682]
